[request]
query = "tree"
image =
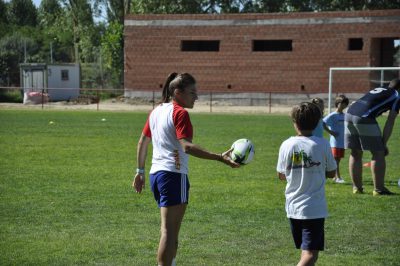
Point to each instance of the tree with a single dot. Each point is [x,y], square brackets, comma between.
[12,53]
[22,13]
[169,7]
[81,16]
[3,12]
[48,12]
[111,47]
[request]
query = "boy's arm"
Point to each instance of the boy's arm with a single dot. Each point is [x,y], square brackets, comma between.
[333,133]
[281,176]
[330,174]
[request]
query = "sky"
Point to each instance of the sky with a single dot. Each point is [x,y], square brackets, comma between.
[37,2]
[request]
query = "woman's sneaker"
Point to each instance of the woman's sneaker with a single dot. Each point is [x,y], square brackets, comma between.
[339,180]
[382,192]
[358,190]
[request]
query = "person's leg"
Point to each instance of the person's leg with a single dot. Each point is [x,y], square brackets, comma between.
[308,258]
[378,168]
[171,219]
[337,168]
[355,168]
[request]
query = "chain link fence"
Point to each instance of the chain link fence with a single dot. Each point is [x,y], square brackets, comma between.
[123,100]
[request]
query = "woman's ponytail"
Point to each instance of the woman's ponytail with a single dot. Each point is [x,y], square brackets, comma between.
[166,95]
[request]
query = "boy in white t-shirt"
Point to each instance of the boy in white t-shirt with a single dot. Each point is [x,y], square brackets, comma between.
[305,161]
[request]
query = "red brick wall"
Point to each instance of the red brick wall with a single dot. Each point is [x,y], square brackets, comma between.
[151,52]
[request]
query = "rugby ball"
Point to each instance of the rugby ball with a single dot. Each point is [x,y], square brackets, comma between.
[242,151]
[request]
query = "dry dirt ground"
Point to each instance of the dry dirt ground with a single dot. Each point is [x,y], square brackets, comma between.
[111,105]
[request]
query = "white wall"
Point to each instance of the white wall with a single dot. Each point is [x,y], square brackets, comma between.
[60,89]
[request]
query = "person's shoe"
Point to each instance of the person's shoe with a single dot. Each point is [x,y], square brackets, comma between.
[358,190]
[339,180]
[382,192]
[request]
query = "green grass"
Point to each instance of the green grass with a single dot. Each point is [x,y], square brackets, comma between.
[66,197]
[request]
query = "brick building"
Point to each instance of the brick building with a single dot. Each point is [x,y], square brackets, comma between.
[235,53]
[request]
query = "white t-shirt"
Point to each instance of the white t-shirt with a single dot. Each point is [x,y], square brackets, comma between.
[304,161]
[166,125]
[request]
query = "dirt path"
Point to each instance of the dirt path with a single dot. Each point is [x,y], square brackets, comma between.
[118,106]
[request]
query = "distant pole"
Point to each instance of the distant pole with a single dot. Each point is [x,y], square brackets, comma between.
[210,101]
[25,51]
[270,102]
[42,98]
[101,69]
[98,100]
[51,52]
[154,99]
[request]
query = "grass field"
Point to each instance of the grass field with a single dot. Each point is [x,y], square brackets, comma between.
[66,197]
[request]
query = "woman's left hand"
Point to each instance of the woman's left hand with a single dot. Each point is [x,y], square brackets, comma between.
[138,183]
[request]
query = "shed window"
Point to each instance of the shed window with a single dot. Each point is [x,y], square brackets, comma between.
[355,44]
[64,74]
[200,46]
[272,45]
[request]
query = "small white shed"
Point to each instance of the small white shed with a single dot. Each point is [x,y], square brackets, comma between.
[60,81]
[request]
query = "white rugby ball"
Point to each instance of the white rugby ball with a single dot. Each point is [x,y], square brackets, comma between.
[243,151]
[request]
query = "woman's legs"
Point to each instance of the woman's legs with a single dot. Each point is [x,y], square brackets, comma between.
[171,219]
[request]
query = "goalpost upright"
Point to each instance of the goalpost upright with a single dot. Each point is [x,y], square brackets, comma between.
[332,69]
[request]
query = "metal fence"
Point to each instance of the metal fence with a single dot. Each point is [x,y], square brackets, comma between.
[123,100]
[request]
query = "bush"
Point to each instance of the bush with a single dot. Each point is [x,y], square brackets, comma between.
[11,96]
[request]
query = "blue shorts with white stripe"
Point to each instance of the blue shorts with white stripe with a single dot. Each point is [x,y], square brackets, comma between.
[170,188]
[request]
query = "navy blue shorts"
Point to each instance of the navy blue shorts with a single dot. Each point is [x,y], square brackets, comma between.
[308,234]
[170,188]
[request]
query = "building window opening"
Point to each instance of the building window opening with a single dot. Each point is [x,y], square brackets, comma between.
[355,44]
[200,46]
[272,45]
[64,75]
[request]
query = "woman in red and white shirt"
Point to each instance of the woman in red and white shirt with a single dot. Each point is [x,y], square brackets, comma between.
[170,131]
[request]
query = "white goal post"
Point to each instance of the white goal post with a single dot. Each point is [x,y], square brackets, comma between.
[332,69]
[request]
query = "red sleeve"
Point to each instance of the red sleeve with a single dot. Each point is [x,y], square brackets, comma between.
[146,130]
[183,126]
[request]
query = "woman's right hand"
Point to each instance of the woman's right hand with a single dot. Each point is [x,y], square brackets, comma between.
[226,159]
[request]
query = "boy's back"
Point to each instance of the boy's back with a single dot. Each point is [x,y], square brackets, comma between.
[305,161]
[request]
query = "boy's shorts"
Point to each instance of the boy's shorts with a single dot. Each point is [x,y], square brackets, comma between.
[170,188]
[362,133]
[338,152]
[308,234]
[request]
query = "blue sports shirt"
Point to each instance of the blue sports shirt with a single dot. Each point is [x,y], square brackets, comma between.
[335,122]
[376,102]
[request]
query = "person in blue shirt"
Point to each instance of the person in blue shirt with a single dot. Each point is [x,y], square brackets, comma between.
[334,125]
[362,133]
[319,129]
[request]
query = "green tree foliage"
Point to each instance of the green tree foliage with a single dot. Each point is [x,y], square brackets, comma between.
[48,13]
[12,52]
[111,47]
[22,13]
[3,13]
[254,6]
[170,6]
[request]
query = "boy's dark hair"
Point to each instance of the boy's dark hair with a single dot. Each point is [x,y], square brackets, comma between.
[306,116]
[341,99]
[395,84]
